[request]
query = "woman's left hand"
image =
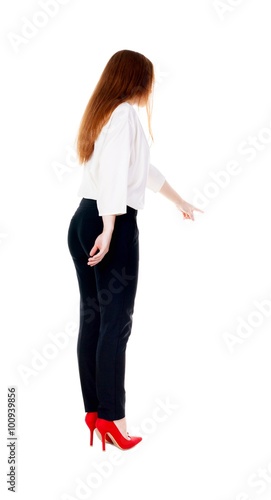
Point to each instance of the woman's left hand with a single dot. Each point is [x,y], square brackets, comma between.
[100,248]
[187,209]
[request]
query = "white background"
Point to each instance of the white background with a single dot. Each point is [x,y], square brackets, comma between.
[199,280]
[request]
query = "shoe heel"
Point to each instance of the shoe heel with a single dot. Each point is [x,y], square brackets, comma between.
[91,437]
[103,441]
[90,420]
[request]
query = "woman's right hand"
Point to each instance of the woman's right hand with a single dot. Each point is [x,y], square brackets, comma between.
[100,248]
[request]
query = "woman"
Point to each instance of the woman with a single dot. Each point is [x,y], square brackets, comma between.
[103,235]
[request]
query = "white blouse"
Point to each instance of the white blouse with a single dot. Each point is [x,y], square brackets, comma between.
[119,169]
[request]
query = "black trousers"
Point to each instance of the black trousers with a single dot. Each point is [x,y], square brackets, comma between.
[107,295]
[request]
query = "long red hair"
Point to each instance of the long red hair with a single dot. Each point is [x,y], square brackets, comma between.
[126,76]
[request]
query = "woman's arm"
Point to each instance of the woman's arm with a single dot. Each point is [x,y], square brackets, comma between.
[102,242]
[182,205]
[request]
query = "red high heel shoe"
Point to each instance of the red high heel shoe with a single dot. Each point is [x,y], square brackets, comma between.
[107,429]
[90,420]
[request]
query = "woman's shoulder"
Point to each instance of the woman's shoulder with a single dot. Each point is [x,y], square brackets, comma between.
[124,112]
[124,109]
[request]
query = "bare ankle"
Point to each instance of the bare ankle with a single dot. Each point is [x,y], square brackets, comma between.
[121,425]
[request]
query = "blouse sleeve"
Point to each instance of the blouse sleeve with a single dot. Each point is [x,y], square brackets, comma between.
[114,164]
[155,179]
